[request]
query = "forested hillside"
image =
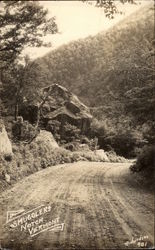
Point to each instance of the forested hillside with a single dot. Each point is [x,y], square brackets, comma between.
[111,72]
[93,67]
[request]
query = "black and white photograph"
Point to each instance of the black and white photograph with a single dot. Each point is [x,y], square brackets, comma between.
[77,125]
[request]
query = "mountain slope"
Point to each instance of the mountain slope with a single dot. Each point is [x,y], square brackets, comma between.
[102,68]
[113,73]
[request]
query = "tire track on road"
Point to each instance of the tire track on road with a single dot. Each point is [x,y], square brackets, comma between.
[132,215]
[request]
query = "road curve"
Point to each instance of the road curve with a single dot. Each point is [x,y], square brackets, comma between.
[100,209]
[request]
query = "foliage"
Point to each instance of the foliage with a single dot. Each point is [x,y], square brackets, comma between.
[22,23]
[140,101]
[121,64]
[86,156]
[123,142]
[54,127]
[29,158]
[120,89]
[69,132]
[95,59]
[23,131]
[77,145]
[98,128]
[109,6]
[90,155]
[63,134]
[117,98]
[113,157]
[120,136]
[145,164]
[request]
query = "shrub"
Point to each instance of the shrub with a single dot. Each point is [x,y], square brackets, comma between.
[98,128]
[54,127]
[77,146]
[84,140]
[124,143]
[23,131]
[113,157]
[72,146]
[29,158]
[145,164]
[70,133]
[86,155]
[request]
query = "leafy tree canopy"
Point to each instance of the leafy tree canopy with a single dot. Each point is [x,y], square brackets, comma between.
[110,6]
[22,23]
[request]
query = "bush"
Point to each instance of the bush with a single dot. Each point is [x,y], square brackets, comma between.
[23,131]
[145,164]
[87,156]
[113,157]
[98,128]
[76,146]
[54,127]
[70,133]
[29,158]
[72,146]
[124,143]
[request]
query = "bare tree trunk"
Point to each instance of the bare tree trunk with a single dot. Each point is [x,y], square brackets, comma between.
[40,106]
[1,76]
[38,116]
[16,111]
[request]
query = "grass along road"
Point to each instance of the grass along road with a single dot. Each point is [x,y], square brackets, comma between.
[100,209]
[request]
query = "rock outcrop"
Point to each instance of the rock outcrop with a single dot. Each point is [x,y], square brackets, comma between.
[102,155]
[5,144]
[60,105]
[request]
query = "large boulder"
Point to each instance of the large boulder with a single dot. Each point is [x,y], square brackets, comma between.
[102,155]
[61,105]
[46,137]
[5,144]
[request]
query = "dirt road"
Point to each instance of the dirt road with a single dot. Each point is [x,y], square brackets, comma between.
[99,208]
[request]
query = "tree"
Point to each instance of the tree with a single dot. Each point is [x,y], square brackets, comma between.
[22,23]
[15,84]
[19,89]
[140,100]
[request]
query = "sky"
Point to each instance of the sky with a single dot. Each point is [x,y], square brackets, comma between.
[76,19]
